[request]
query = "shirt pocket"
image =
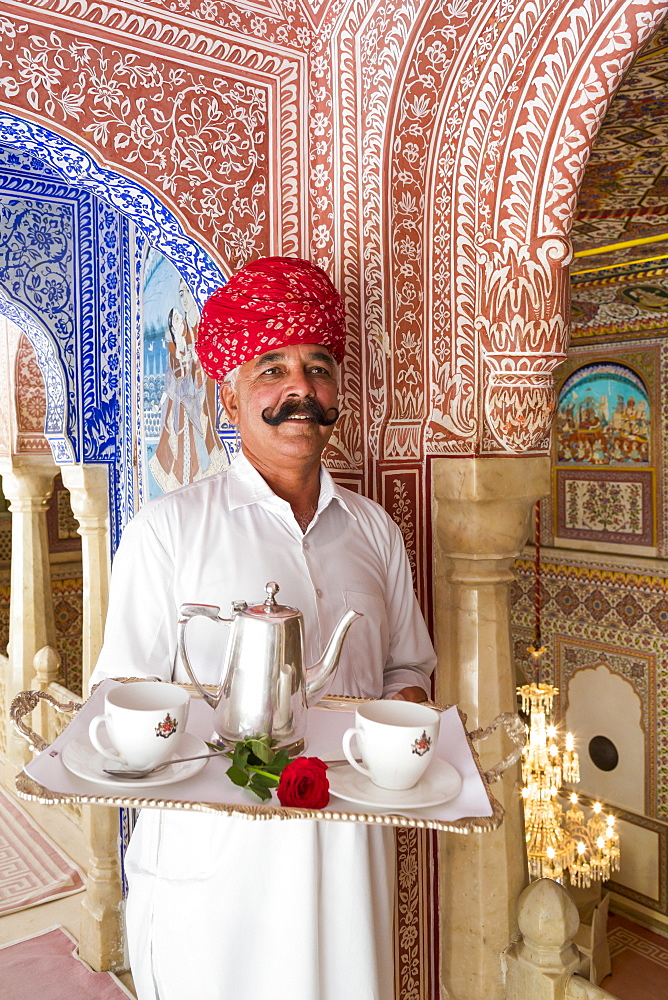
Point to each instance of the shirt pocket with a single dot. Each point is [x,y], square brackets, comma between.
[368,647]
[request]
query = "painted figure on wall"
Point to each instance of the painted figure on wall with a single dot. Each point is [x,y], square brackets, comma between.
[603,418]
[651,297]
[181,440]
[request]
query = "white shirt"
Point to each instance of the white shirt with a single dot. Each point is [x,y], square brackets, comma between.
[220,900]
[223,539]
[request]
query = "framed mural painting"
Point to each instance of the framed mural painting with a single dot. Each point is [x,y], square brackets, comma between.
[604,462]
[184,436]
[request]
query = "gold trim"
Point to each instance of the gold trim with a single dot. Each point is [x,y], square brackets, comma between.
[624,263]
[29,789]
[641,242]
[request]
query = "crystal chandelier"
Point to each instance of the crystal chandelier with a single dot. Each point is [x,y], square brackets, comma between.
[558,840]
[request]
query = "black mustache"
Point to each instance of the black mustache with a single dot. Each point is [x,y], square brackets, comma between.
[308,406]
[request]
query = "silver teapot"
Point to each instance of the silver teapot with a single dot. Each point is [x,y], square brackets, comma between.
[264,687]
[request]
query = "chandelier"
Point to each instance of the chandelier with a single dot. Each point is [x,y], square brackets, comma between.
[558,840]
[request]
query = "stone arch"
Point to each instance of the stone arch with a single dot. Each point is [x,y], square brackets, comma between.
[485,175]
[85,412]
[80,169]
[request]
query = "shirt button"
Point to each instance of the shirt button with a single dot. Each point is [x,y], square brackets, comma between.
[306,545]
[318,592]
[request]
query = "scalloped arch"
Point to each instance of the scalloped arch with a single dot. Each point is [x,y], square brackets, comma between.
[160,226]
[492,129]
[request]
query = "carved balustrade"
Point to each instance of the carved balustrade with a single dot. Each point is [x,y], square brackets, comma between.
[543,963]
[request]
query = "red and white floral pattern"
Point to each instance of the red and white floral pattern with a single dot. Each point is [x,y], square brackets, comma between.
[427,156]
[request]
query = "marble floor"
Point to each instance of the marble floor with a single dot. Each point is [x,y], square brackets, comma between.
[60,912]
[639,962]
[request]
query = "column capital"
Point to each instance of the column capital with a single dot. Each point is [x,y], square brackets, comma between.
[28,479]
[483,504]
[89,495]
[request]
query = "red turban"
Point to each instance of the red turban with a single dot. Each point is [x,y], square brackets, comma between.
[267,304]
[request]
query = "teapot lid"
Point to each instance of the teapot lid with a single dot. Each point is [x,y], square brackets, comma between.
[270,609]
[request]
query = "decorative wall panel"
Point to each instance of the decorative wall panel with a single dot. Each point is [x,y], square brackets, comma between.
[183,435]
[612,613]
[199,129]
[615,507]
[609,448]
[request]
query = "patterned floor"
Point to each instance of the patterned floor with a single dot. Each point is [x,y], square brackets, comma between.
[639,962]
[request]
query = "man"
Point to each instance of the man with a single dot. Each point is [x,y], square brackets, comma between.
[223,908]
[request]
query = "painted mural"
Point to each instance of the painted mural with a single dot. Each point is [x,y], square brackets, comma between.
[624,193]
[609,305]
[603,418]
[181,441]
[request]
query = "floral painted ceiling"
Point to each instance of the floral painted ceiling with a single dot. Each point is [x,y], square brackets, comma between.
[624,195]
[619,277]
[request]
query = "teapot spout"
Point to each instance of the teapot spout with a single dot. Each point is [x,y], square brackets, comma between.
[319,674]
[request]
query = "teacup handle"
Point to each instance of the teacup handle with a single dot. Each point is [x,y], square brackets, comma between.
[347,737]
[93,737]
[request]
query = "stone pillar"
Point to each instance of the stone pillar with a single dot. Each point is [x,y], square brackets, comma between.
[89,496]
[102,928]
[27,484]
[101,939]
[482,510]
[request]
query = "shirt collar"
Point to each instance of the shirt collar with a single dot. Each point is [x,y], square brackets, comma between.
[247,487]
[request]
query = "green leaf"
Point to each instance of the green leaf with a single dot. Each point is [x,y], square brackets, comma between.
[237,775]
[262,793]
[281,759]
[266,780]
[256,765]
[261,747]
[240,756]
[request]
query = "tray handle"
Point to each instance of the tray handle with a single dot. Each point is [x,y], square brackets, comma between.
[516,731]
[26,702]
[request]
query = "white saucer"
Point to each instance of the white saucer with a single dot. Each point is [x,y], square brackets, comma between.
[441,783]
[81,758]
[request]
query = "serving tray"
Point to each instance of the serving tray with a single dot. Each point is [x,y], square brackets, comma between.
[474,810]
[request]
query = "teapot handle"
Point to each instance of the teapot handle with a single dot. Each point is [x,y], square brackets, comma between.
[186,613]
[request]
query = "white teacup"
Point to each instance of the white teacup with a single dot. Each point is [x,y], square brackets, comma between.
[145,721]
[396,740]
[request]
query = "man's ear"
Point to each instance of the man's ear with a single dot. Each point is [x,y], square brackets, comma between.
[228,398]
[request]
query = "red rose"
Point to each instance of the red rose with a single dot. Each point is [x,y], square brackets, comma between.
[304,783]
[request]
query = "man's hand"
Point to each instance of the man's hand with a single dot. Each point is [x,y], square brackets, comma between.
[415,694]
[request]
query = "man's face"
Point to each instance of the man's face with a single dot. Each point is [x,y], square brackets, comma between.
[288,374]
